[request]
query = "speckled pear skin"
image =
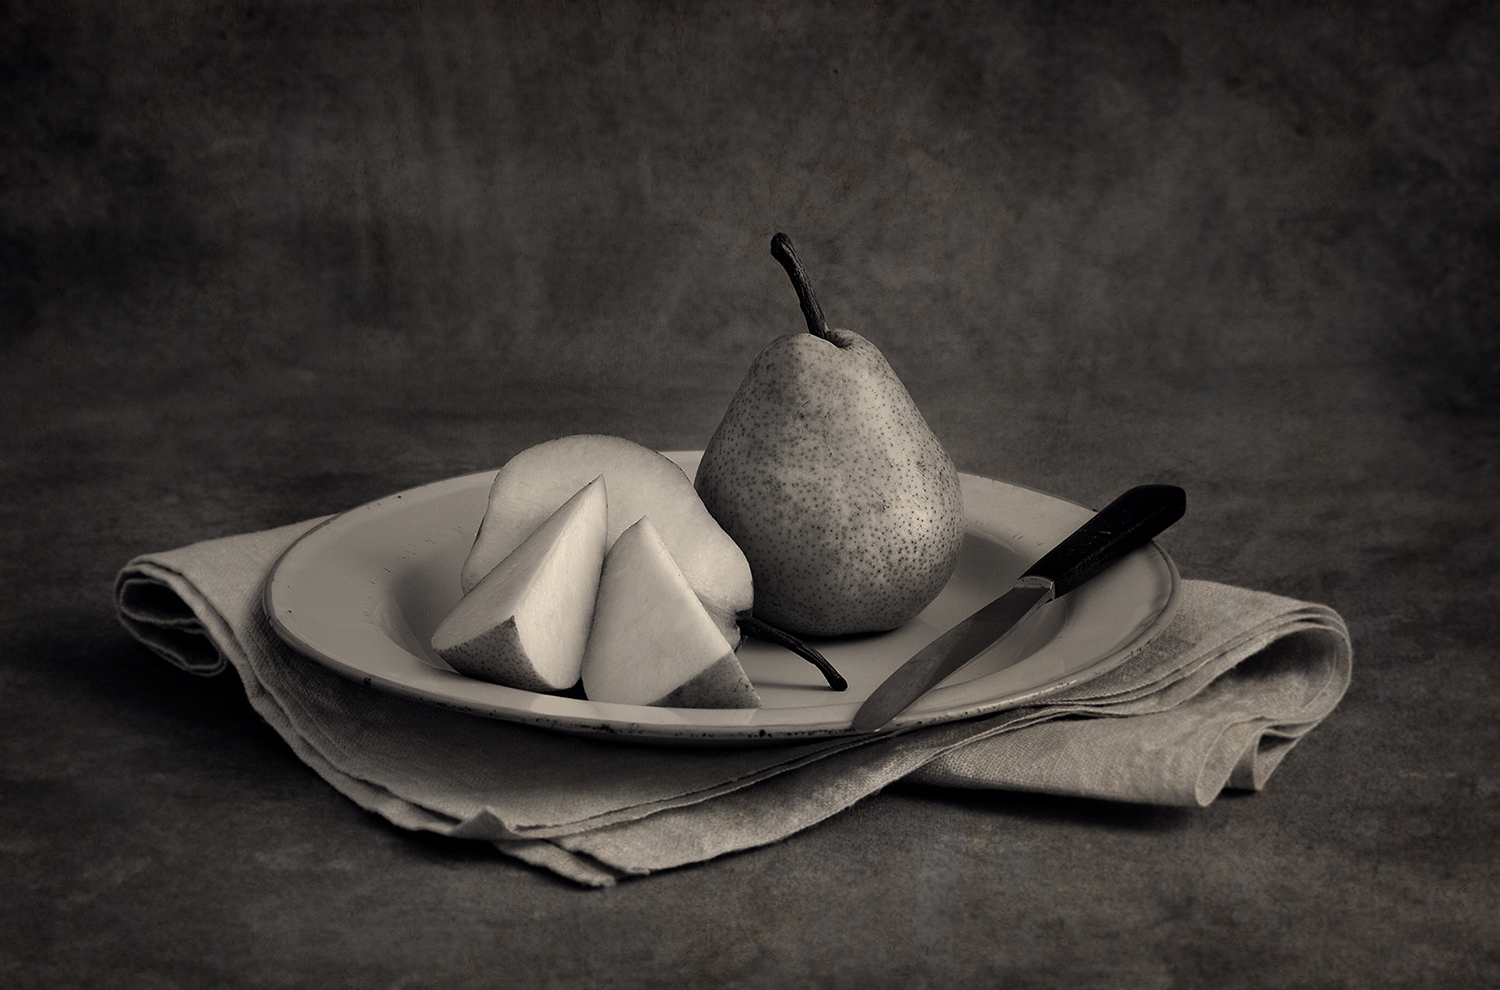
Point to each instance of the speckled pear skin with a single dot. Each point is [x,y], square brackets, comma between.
[500,657]
[827,476]
[722,685]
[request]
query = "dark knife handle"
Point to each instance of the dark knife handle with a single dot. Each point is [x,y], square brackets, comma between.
[1126,524]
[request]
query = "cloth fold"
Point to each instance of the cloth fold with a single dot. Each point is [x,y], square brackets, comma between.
[1214,702]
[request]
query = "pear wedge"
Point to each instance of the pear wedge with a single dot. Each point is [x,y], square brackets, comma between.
[532,484]
[525,625]
[653,642]
[828,477]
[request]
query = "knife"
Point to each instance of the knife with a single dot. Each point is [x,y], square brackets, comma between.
[1126,524]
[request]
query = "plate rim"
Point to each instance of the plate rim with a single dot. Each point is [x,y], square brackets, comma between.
[655,728]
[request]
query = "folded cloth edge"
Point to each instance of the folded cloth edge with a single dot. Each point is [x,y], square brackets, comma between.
[173,635]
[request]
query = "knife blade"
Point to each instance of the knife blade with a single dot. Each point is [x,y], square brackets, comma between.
[1124,525]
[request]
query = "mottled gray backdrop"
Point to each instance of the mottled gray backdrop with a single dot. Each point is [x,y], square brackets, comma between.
[1050,206]
[1101,242]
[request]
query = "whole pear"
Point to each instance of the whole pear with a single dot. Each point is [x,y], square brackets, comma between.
[827,476]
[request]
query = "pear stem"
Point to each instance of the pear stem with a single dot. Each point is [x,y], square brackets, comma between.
[782,251]
[751,626]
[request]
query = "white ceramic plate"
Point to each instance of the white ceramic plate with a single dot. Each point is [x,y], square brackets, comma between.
[363,592]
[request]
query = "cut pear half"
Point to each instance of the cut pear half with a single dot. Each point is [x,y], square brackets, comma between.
[532,484]
[525,625]
[653,642]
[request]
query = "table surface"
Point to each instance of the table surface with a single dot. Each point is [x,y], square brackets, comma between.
[1264,274]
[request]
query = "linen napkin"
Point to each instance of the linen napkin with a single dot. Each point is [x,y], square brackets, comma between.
[1214,702]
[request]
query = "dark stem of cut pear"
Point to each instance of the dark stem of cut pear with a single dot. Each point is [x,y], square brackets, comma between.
[782,251]
[751,626]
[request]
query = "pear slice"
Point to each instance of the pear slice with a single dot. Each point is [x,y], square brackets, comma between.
[526,624]
[653,642]
[641,482]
